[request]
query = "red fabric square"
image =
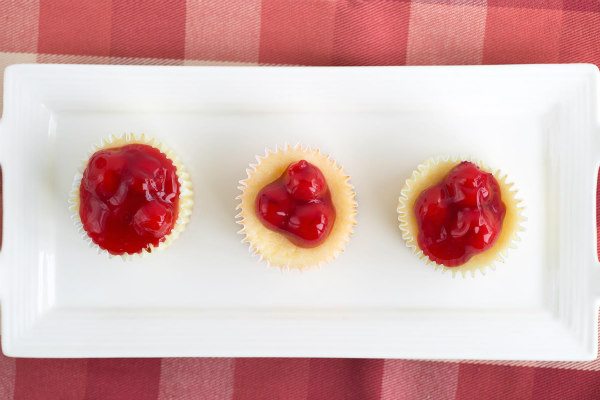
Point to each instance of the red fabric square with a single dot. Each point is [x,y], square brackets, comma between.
[196,378]
[371,32]
[75,27]
[580,38]
[296,32]
[123,379]
[416,380]
[222,30]
[150,29]
[19,25]
[43,379]
[345,379]
[493,382]
[273,378]
[536,4]
[561,384]
[582,5]
[8,365]
[521,35]
[453,2]
[445,34]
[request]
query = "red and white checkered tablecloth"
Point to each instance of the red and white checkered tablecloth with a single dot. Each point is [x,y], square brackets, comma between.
[305,32]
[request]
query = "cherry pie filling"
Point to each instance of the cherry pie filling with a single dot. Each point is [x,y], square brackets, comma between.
[461,216]
[129,198]
[298,205]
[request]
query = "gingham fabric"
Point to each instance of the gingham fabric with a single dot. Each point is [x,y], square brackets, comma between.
[298,32]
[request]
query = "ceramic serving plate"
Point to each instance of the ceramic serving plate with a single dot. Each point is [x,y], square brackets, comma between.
[207,296]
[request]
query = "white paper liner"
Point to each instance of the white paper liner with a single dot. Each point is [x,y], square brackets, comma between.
[433,171]
[186,194]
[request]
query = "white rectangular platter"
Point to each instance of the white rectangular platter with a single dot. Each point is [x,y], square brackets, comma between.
[207,296]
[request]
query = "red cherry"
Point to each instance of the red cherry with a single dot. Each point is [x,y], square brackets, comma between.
[154,219]
[468,184]
[94,215]
[275,205]
[493,192]
[104,174]
[432,206]
[298,204]
[461,216]
[446,252]
[129,198]
[311,223]
[483,233]
[462,221]
[304,181]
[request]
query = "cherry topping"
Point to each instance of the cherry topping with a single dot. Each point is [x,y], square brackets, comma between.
[304,181]
[129,198]
[298,205]
[461,216]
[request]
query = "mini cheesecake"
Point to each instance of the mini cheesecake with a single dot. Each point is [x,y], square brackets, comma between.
[458,215]
[297,208]
[133,196]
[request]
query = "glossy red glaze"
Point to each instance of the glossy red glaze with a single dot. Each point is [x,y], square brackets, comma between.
[129,198]
[298,205]
[461,216]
